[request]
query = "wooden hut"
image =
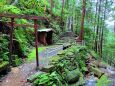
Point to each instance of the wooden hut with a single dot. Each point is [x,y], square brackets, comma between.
[45,36]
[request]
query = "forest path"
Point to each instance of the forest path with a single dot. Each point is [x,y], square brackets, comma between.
[18,75]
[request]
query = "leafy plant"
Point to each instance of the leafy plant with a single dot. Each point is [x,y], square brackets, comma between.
[17,60]
[4,51]
[10,9]
[103,81]
[47,79]
[32,54]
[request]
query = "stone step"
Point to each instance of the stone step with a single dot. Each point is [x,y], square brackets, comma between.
[68,34]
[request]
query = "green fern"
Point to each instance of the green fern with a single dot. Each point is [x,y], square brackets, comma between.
[10,9]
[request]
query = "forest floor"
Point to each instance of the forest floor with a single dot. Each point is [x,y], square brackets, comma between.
[110,71]
[18,75]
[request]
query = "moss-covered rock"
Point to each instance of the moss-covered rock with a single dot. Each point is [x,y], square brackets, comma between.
[33,77]
[81,81]
[55,58]
[73,76]
[96,71]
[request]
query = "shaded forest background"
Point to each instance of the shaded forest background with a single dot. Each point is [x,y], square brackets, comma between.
[60,13]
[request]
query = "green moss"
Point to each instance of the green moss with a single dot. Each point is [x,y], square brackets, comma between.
[96,71]
[32,54]
[94,54]
[3,64]
[61,53]
[10,9]
[73,76]
[81,81]
[55,58]
[18,61]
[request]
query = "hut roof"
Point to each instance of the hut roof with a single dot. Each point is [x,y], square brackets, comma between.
[45,30]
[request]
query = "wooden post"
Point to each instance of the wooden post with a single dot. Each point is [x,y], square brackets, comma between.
[36,42]
[11,40]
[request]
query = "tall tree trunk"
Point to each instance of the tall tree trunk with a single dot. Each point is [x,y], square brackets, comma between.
[97,29]
[95,25]
[100,36]
[101,44]
[81,36]
[62,15]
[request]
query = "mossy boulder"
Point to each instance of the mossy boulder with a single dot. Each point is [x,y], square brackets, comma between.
[47,68]
[81,81]
[73,76]
[33,77]
[96,71]
[55,58]
[62,53]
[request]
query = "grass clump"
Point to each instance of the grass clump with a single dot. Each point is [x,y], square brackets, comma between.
[32,54]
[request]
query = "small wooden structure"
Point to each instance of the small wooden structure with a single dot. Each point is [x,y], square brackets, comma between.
[45,36]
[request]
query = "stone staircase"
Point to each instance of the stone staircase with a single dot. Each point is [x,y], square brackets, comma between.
[68,34]
[67,37]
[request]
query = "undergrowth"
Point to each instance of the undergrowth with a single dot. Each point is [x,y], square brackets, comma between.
[32,54]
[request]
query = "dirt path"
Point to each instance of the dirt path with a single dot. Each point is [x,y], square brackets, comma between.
[18,75]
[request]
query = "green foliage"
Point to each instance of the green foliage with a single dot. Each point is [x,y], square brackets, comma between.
[56,12]
[94,54]
[103,81]
[10,9]
[72,58]
[73,76]
[36,7]
[24,36]
[89,36]
[52,79]
[32,54]
[21,38]
[56,26]
[109,46]
[81,81]
[17,60]
[4,51]
[3,64]
[22,21]
[2,2]
[66,67]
